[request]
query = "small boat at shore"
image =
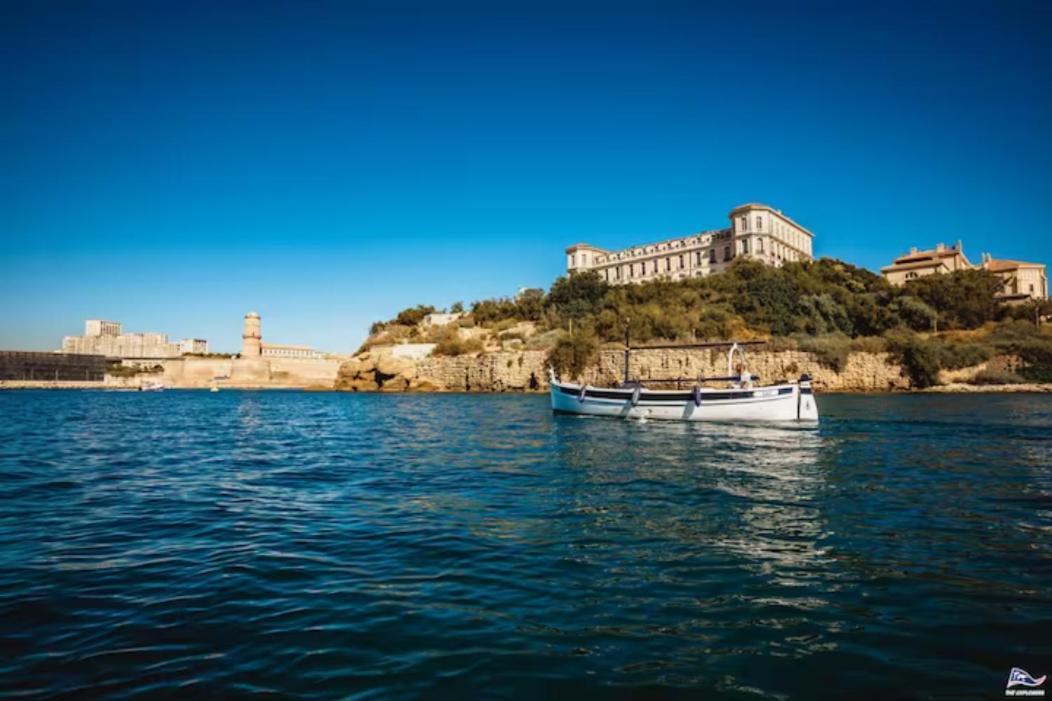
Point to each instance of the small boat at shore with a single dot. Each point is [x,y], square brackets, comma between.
[152,386]
[740,400]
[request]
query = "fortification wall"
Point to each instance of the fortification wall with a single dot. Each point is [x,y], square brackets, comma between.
[193,372]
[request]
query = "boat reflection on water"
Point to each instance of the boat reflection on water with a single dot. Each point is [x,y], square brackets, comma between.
[696,506]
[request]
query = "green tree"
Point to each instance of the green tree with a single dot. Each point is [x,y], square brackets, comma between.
[964,299]
[530,304]
[573,353]
[577,295]
[413,315]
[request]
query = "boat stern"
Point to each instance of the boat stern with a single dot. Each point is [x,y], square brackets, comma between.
[806,406]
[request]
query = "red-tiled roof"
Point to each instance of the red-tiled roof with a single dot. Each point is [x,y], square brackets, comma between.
[1003,265]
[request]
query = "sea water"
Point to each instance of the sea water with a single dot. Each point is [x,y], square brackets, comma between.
[314,545]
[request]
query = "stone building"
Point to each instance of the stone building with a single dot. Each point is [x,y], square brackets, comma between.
[917,263]
[253,345]
[286,350]
[440,319]
[107,338]
[193,346]
[756,231]
[1022,281]
[252,337]
[98,327]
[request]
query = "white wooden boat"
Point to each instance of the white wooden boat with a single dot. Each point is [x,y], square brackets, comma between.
[739,400]
[152,386]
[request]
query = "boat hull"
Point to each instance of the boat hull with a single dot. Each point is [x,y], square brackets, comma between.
[787,402]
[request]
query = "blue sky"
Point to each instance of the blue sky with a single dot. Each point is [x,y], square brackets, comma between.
[173,165]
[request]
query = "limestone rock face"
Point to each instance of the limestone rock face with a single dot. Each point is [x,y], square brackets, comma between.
[424,384]
[370,372]
[362,384]
[395,384]
[351,368]
[501,371]
[393,366]
[367,362]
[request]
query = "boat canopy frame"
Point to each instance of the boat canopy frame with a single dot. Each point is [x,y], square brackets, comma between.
[732,346]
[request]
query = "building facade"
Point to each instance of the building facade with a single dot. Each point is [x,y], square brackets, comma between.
[193,346]
[917,263]
[1022,281]
[252,336]
[756,231]
[440,319]
[98,327]
[29,365]
[108,339]
[286,350]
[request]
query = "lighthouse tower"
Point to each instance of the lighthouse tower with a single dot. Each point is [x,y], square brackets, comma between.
[251,340]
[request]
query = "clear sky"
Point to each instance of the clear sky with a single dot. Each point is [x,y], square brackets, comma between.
[172,165]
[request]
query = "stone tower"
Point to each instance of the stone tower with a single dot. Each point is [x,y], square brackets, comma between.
[251,340]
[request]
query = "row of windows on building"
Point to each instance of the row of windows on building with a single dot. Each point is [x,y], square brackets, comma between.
[702,239]
[779,251]
[614,273]
[634,270]
[794,236]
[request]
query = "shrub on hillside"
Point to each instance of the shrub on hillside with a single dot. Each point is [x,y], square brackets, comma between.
[953,356]
[914,313]
[869,344]
[413,315]
[1036,355]
[964,299]
[457,346]
[572,354]
[831,350]
[919,358]
[997,377]
[544,341]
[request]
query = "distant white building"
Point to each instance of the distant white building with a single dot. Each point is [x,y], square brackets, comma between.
[287,350]
[107,338]
[98,327]
[196,346]
[440,319]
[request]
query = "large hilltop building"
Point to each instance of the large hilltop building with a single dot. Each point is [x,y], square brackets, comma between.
[108,338]
[1022,281]
[756,231]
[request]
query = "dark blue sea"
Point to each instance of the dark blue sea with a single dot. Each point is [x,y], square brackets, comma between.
[264,545]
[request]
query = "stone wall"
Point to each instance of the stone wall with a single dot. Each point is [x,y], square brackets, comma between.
[864,372]
[518,371]
[503,371]
[193,372]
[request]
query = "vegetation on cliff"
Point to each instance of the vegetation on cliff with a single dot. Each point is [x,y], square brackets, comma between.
[826,307]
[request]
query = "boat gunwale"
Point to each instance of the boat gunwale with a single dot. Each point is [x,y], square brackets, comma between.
[665,396]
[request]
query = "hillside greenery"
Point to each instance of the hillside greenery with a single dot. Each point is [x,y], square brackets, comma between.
[826,307]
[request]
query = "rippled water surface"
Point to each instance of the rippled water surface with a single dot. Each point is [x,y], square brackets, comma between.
[287,544]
